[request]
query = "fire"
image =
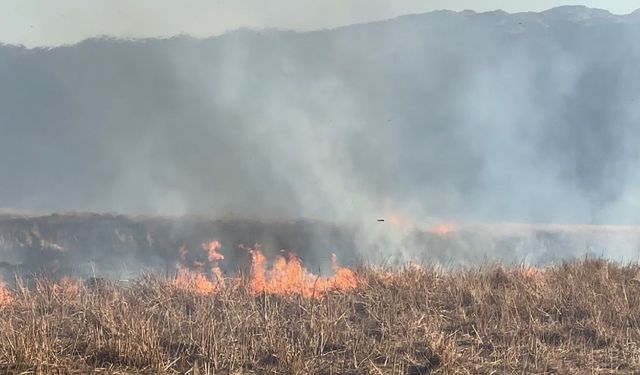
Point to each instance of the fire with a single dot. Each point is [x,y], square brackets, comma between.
[345,279]
[258,280]
[214,256]
[404,223]
[287,277]
[212,248]
[195,282]
[68,286]
[6,297]
[398,221]
[531,272]
[194,279]
[442,229]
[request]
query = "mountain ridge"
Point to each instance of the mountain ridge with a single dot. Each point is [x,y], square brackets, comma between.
[570,13]
[461,116]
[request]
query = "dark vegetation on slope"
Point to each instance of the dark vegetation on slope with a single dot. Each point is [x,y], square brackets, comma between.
[121,247]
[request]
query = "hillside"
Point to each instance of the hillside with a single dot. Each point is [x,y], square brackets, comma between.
[485,116]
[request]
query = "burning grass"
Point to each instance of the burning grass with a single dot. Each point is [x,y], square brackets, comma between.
[573,317]
[285,277]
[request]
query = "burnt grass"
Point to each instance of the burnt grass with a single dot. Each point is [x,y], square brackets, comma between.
[577,317]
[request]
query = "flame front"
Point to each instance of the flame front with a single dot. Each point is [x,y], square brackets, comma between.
[196,282]
[288,277]
[194,279]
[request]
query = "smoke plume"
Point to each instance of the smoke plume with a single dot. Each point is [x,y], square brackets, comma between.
[467,117]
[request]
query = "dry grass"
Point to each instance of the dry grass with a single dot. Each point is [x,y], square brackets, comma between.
[572,318]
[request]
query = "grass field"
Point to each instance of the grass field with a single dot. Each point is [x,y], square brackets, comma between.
[580,317]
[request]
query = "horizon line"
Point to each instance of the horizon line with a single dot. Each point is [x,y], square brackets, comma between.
[258,30]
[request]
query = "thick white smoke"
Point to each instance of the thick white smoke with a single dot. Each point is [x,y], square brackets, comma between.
[462,116]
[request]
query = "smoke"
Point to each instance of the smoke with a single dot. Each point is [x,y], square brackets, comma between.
[459,116]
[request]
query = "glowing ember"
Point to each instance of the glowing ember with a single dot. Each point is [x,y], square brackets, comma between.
[287,277]
[6,297]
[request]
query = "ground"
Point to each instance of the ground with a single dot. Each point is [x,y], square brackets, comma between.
[579,317]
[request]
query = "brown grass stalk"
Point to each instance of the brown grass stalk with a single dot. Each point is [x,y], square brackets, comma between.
[580,317]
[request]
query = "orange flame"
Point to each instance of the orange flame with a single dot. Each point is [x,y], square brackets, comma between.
[398,221]
[530,272]
[214,256]
[442,229]
[213,247]
[345,279]
[6,297]
[404,223]
[195,282]
[287,277]
[68,286]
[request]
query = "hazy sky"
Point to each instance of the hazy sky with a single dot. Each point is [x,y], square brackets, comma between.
[46,22]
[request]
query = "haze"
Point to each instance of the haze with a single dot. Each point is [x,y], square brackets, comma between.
[50,23]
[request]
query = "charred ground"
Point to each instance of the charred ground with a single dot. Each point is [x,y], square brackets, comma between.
[107,245]
[123,247]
